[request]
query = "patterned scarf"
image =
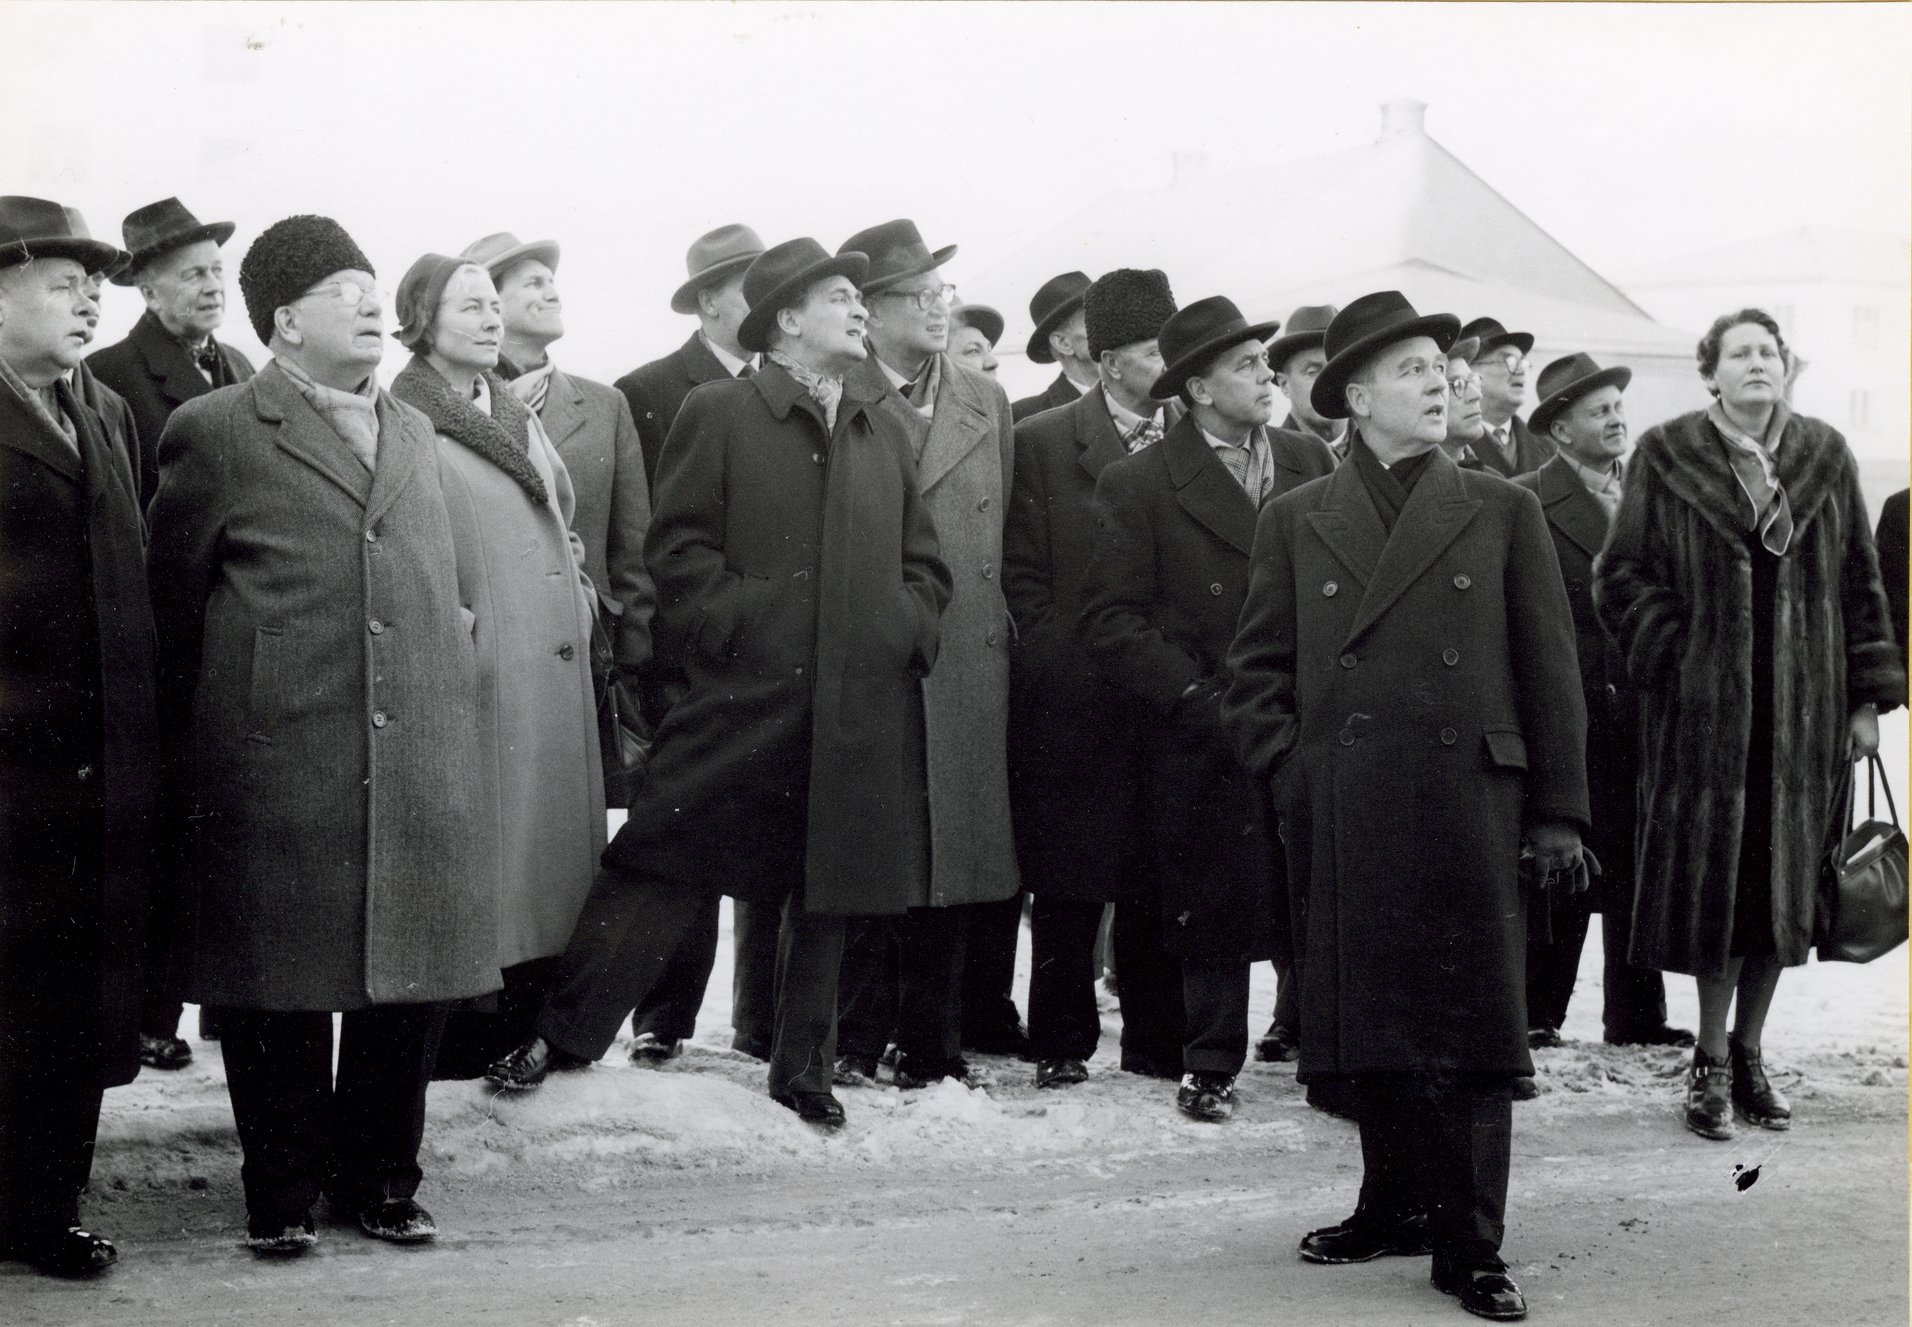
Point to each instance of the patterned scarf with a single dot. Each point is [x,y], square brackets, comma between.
[826,392]
[503,437]
[43,402]
[1755,466]
[352,415]
[531,387]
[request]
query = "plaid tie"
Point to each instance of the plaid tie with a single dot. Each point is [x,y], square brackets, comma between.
[1147,433]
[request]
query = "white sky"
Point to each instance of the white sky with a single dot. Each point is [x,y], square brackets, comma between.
[624,131]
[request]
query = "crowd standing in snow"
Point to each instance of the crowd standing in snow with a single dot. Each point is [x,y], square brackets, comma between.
[313,695]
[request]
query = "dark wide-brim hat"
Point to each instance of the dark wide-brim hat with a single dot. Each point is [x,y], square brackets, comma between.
[1568,379]
[713,258]
[37,228]
[981,317]
[156,230]
[778,278]
[1492,336]
[496,253]
[896,252]
[1307,330]
[1369,325]
[1195,334]
[1054,303]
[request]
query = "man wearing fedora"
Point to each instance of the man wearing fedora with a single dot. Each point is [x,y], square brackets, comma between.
[78,742]
[1465,425]
[170,356]
[1582,413]
[1296,357]
[1509,447]
[1061,337]
[974,330]
[1175,525]
[798,568]
[1404,677]
[903,976]
[1075,778]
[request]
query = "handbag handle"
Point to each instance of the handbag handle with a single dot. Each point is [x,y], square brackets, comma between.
[1876,768]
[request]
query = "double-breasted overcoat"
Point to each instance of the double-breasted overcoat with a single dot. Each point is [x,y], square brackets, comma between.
[1415,699]
[317,692]
[153,371]
[797,571]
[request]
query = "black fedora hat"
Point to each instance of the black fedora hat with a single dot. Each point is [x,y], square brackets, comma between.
[1568,379]
[1053,304]
[1465,348]
[896,252]
[36,228]
[712,258]
[1371,324]
[1492,336]
[778,278]
[159,228]
[1195,334]
[1307,329]
[981,317]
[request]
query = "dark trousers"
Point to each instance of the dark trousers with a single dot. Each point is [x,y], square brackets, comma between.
[903,981]
[49,1114]
[1064,1023]
[1634,999]
[990,936]
[753,978]
[1551,967]
[302,1134]
[1215,1001]
[1287,999]
[626,935]
[481,1031]
[670,1010]
[1149,979]
[1439,1145]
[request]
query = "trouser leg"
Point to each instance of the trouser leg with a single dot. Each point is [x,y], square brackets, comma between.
[929,1006]
[1390,1177]
[474,1038]
[630,926]
[753,981]
[49,1115]
[1635,998]
[1150,987]
[1287,999]
[1064,1023]
[378,1108]
[869,980]
[1215,1000]
[279,1076]
[1467,1126]
[670,1010]
[1552,967]
[991,932]
[809,959]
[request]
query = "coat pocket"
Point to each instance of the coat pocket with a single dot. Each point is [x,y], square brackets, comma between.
[262,695]
[1506,748]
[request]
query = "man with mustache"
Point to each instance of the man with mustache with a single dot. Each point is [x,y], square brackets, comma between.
[1508,447]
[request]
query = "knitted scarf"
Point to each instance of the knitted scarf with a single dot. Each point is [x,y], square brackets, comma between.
[826,392]
[503,437]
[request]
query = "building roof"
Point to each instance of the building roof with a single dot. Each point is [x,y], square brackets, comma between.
[1815,254]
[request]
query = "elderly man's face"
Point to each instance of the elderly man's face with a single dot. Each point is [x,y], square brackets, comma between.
[528,295]
[1401,397]
[337,323]
[910,321]
[1503,380]
[186,290]
[1593,430]
[1136,366]
[1296,379]
[1238,386]
[826,330]
[470,321]
[970,348]
[725,305]
[1464,422]
[1071,340]
[48,310]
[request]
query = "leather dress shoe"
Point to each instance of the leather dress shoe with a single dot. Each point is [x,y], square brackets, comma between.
[1663,1035]
[527,1066]
[1061,1073]
[397,1220]
[818,1108]
[854,1071]
[1525,1088]
[1541,1039]
[1363,1238]
[914,1071]
[1756,1099]
[280,1237]
[647,1048]
[164,1052]
[1709,1097]
[1278,1045]
[1484,1290]
[64,1252]
[1209,1097]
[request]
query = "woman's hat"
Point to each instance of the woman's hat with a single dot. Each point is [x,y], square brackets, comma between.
[778,278]
[1568,379]
[896,252]
[35,228]
[1195,334]
[159,228]
[1307,329]
[981,317]
[497,252]
[1493,336]
[1369,325]
[714,258]
[419,290]
[1055,302]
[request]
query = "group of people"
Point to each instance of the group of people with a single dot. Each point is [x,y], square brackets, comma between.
[304,685]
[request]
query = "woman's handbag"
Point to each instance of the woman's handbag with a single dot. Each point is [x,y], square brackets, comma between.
[624,740]
[1863,898]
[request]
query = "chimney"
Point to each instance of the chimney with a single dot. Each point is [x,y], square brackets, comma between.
[1403,116]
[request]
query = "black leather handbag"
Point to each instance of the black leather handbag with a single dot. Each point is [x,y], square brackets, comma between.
[624,740]
[1863,890]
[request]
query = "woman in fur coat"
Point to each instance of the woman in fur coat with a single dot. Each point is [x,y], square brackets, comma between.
[1741,581]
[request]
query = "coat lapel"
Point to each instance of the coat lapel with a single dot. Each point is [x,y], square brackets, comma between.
[166,360]
[1348,524]
[699,365]
[959,423]
[1096,434]
[1436,512]
[33,436]
[1572,510]
[304,433]
[563,408]
[404,439]
[1205,489]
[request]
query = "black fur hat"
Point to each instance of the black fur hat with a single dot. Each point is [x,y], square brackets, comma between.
[288,259]
[1127,305]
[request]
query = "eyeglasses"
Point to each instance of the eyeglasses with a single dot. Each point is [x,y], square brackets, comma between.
[1511,360]
[1459,383]
[926,297]
[347,292]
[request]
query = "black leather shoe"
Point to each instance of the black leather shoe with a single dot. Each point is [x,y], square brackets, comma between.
[914,1071]
[1363,1238]
[397,1220]
[1008,1039]
[1484,1291]
[1525,1088]
[1709,1097]
[1542,1039]
[164,1052]
[278,1237]
[1755,1099]
[527,1066]
[647,1048]
[818,1108]
[68,1252]
[1061,1073]
[1208,1097]
[1663,1035]
[1278,1045]
[854,1071]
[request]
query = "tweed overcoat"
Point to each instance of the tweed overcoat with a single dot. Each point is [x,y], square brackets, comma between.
[518,573]
[1674,586]
[656,392]
[317,690]
[78,738]
[965,462]
[1531,451]
[1170,569]
[1061,392]
[797,571]
[590,425]
[1414,698]
[152,370]
[1075,770]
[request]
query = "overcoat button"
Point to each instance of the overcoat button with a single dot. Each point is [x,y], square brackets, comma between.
[376,626]
[989,573]
[991,638]
[371,536]
[1215,589]
[1450,657]
[982,505]
[378,718]
[817,457]
[1347,737]
[567,651]
[1462,581]
[1347,661]
[1447,736]
[1328,591]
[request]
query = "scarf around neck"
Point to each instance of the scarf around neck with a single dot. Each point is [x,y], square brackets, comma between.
[503,437]
[826,392]
[1754,462]
[529,385]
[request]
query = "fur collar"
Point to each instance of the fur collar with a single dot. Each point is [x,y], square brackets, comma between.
[1690,455]
[503,437]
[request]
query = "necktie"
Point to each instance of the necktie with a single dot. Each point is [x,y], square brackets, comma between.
[207,358]
[1147,433]
[749,370]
